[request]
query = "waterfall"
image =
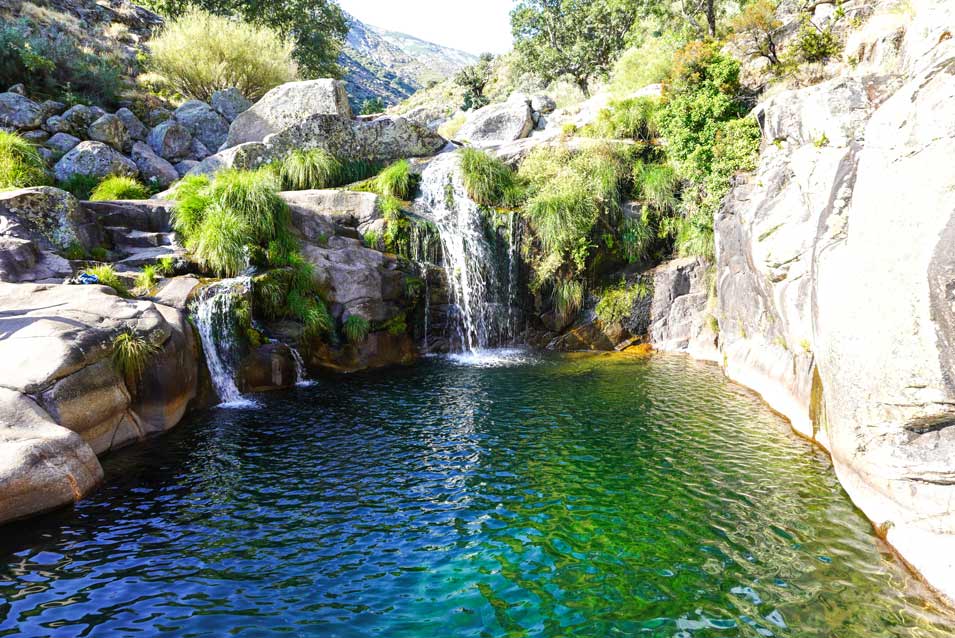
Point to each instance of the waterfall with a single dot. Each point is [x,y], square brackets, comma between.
[301,377]
[478,264]
[214,314]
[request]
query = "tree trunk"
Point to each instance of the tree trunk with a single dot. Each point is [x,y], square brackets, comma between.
[711,16]
[583,85]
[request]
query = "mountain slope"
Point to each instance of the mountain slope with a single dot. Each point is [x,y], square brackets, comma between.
[393,66]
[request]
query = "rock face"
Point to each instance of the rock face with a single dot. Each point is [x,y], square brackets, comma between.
[320,214]
[498,123]
[835,281]
[286,105]
[94,159]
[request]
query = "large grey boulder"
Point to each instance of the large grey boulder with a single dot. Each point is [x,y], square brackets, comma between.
[44,465]
[170,140]
[498,123]
[109,129]
[230,103]
[286,105]
[75,120]
[244,156]
[49,216]
[152,168]
[203,123]
[320,214]
[19,112]
[93,159]
[59,348]
[136,129]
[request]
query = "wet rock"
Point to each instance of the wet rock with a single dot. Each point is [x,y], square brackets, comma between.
[268,367]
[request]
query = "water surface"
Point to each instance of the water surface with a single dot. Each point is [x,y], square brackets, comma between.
[597,495]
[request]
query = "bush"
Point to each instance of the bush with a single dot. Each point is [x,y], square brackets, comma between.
[107,277]
[397,181]
[815,44]
[616,304]
[200,53]
[640,66]
[489,181]
[131,353]
[52,64]
[633,119]
[372,106]
[656,185]
[119,187]
[20,164]
[355,329]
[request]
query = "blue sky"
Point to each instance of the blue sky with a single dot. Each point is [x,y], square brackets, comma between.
[474,27]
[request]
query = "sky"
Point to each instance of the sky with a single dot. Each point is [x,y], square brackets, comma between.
[475,27]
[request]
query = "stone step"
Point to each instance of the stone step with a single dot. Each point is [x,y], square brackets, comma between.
[148,215]
[146,256]
[124,238]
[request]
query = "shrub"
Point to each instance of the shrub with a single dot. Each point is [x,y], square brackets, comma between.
[314,168]
[219,244]
[656,185]
[372,106]
[131,353]
[355,329]
[754,30]
[489,181]
[815,44]
[20,163]
[52,64]
[107,276]
[119,187]
[616,304]
[397,181]
[80,186]
[396,326]
[200,53]
[642,65]
[147,279]
[633,119]
[637,238]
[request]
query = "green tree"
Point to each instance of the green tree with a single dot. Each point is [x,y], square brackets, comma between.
[754,29]
[473,79]
[318,27]
[576,39]
[372,106]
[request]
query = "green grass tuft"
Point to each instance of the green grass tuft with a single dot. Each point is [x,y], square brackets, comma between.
[80,186]
[355,329]
[20,163]
[568,297]
[118,187]
[131,353]
[107,276]
[219,244]
[489,181]
[147,279]
[397,181]
[315,168]
[253,197]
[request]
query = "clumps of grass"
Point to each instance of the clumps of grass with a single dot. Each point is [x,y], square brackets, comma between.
[131,353]
[450,128]
[657,185]
[396,326]
[166,266]
[107,277]
[314,168]
[397,180]
[147,278]
[616,304]
[117,187]
[290,293]
[372,240]
[568,297]
[355,329]
[634,119]
[20,163]
[79,186]
[199,53]
[219,244]
[312,312]
[489,181]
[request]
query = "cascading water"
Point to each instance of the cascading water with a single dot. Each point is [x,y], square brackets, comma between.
[301,377]
[214,314]
[480,272]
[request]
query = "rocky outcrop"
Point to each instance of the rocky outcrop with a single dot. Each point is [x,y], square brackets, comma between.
[60,381]
[835,272]
[287,105]
[384,139]
[321,214]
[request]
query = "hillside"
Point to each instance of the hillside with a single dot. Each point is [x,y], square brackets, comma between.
[393,66]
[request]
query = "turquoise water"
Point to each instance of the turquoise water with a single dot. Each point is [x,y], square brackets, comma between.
[569,496]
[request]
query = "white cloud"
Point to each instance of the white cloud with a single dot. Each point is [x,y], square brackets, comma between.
[475,27]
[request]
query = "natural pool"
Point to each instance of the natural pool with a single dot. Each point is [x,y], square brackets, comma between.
[587,495]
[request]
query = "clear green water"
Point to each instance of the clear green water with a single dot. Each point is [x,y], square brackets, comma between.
[571,496]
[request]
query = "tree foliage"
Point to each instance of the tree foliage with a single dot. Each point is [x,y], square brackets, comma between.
[570,38]
[473,79]
[755,30]
[318,27]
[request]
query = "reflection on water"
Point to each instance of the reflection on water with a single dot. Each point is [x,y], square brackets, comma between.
[596,495]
